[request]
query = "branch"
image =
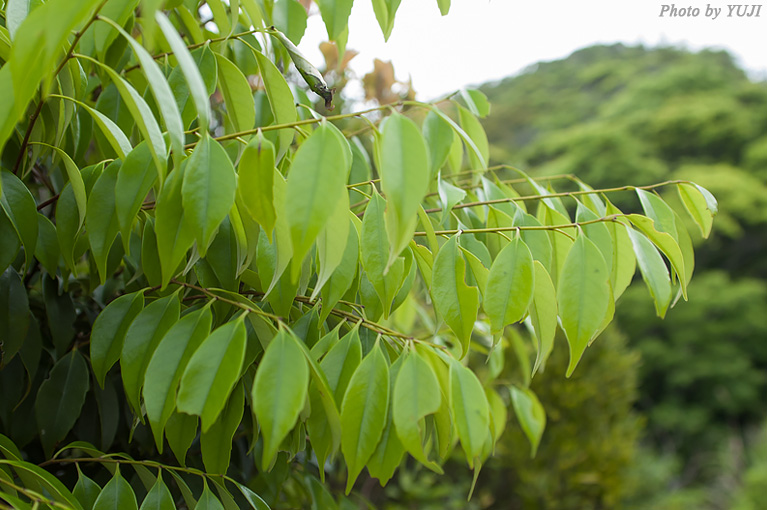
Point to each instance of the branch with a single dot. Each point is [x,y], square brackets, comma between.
[556,228]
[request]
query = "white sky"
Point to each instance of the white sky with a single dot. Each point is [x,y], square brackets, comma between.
[484,40]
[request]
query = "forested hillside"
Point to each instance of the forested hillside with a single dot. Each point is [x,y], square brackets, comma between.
[615,115]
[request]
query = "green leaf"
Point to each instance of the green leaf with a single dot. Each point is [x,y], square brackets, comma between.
[60,399]
[335,15]
[584,296]
[188,68]
[67,225]
[162,94]
[439,138]
[331,243]
[142,115]
[75,179]
[181,431]
[141,340]
[163,374]
[473,128]
[449,195]
[14,314]
[208,191]
[385,10]
[252,498]
[280,99]
[700,204]
[19,205]
[255,185]
[159,497]
[343,277]
[444,6]
[654,271]
[317,177]
[543,315]
[363,412]
[86,490]
[455,301]
[15,12]
[666,242]
[47,248]
[374,253]
[470,410]
[624,260]
[531,415]
[216,443]
[9,240]
[279,391]
[510,285]
[208,501]
[498,414]
[416,395]
[240,108]
[289,17]
[404,179]
[172,226]
[477,101]
[212,372]
[134,180]
[111,131]
[109,329]
[101,217]
[117,494]
[60,312]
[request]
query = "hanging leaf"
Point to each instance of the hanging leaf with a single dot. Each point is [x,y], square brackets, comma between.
[167,365]
[279,391]
[584,296]
[208,190]
[117,493]
[654,271]
[109,329]
[510,285]
[173,226]
[159,497]
[216,443]
[470,410]
[212,372]
[134,180]
[543,315]
[14,314]
[19,206]
[280,99]
[530,414]
[363,412]
[255,184]
[700,204]
[455,301]
[385,10]
[234,87]
[60,399]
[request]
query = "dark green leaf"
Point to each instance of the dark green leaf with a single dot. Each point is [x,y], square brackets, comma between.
[18,204]
[108,333]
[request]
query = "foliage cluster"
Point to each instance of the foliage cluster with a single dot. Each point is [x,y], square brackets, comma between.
[214,296]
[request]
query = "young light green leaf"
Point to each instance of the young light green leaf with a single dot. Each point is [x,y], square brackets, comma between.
[665,242]
[212,372]
[477,102]
[385,10]
[416,395]
[109,329]
[510,284]
[188,68]
[449,195]
[654,271]
[141,340]
[439,138]
[172,225]
[280,99]
[19,206]
[112,132]
[335,15]
[470,410]
[331,243]
[404,179]
[584,296]
[101,217]
[317,177]
[279,391]
[531,415]
[161,91]
[343,277]
[444,6]
[60,399]
[237,95]
[116,494]
[208,190]
[473,128]
[163,374]
[455,301]
[216,443]
[255,185]
[543,314]
[624,259]
[363,412]
[389,451]
[134,180]
[159,497]
[700,204]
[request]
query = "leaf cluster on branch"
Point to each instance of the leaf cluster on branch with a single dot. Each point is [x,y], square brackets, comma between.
[194,265]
